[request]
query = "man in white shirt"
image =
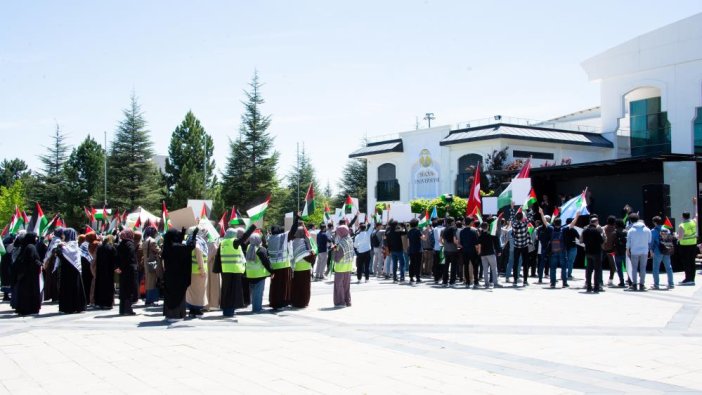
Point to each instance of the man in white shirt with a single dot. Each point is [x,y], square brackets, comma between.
[362,244]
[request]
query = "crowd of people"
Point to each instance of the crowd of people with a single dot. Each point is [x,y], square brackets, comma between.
[191,271]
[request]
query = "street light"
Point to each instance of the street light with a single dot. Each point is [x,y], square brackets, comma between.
[429,116]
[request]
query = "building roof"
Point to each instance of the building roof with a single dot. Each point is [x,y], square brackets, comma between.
[380,147]
[531,133]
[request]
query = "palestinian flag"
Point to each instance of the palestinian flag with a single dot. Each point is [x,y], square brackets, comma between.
[164,217]
[5,230]
[309,202]
[222,226]
[203,212]
[52,224]
[88,229]
[313,242]
[494,225]
[137,224]
[348,204]
[476,214]
[530,228]
[256,213]
[60,223]
[102,215]
[424,221]
[668,224]
[18,222]
[327,212]
[90,213]
[505,198]
[42,224]
[2,248]
[125,214]
[531,199]
[235,217]
[556,211]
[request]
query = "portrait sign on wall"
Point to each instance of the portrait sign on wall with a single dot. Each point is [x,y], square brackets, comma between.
[425,177]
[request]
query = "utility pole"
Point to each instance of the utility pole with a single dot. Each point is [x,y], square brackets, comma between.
[429,116]
[204,190]
[298,177]
[105,166]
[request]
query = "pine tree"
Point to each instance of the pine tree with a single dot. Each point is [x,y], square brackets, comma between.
[13,170]
[190,147]
[51,187]
[327,191]
[304,172]
[84,171]
[250,174]
[353,182]
[133,179]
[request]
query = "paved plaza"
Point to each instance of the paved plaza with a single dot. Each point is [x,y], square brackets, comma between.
[395,339]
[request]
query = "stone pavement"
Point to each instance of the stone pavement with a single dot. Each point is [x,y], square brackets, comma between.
[395,339]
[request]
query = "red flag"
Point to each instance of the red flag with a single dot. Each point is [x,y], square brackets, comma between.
[221,224]
[556,211]
[474,201]
[203,213]
[668,224]
[524,172]
[233,216]
[88,229]
[124,216]
[5,230]
[137,224]
[25,218]
[104,214]
[60,223]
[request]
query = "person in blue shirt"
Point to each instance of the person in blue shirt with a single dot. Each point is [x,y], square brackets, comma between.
[659,255]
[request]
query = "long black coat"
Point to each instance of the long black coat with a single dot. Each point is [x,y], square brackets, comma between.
[28,270]
[129,278]
[105,265]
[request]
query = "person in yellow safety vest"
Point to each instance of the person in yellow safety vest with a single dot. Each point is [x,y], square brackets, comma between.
[303,255]
[196,295]
[281,281]
[231,262]
[258,267]
[687,236]
[343,264]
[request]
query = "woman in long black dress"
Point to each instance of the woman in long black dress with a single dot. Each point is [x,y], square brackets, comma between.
[28,270]
[129,272]
[6,267]
[105,265]
[176,273]
[70,288]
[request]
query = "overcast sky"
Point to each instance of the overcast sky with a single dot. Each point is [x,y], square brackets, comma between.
[333,72]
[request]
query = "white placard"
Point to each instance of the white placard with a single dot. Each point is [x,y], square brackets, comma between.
[288,221]
[520,190]
[196,206]
[401,212]
[489,205]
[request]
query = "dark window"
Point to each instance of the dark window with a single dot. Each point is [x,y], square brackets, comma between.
[531,154]
[386,172]
[650,129]
[466,170]
[387,191]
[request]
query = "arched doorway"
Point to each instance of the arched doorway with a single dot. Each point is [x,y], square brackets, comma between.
[466,169]
[388,188]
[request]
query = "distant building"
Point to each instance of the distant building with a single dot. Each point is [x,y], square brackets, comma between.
[643,139]
[160,161]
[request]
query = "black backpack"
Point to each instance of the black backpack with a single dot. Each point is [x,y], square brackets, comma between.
[375,242]
[557,240]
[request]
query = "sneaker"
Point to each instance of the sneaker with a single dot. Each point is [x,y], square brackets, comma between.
[514,284]
[366,280]
[588,290]
[475,286]
[553,286]
[671,286]
[610,283]
[570,277]
[621,285]
[655,287]
[419,280]
[642,287]
[565,285]
[507,280]
[487,286]
[597,290]
[526,283]
[540,282]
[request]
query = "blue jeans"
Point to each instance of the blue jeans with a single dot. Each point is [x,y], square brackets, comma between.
[152,296]
[571,253]
[542,262]
[620,263]
[398,256]
[256,290]
[556,259]
[657,258]
[510,263]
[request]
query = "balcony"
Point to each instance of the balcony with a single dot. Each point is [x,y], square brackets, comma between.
[387,191]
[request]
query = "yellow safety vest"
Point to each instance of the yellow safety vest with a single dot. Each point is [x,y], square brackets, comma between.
[690,233]
[302,265]
[256,269]
[343,267]
[280,264]
[195,265]
[233,260]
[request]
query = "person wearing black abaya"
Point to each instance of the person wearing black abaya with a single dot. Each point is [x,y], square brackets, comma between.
[50,272]
[27,270]
[105,265]
[70,287]
[176,273]
[129,272]
[6,268]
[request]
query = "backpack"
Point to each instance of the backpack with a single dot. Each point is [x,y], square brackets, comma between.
[557,240]
[375,241]
[667,245]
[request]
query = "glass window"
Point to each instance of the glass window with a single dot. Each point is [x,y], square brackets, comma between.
[698,131]
[650,129]
[386,172]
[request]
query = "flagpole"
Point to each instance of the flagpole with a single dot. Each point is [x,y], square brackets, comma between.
[105,165]
[298,177]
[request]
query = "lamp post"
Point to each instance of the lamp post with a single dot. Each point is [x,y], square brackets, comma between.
[429,116]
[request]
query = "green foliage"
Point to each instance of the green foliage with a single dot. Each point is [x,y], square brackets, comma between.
[13,170]
[494,164]
[84,177]
[275,214]
[455,209]
[51,187]
[304,172]
[353,182]
[11,196]
[133,178]
[250,174]
[190,147]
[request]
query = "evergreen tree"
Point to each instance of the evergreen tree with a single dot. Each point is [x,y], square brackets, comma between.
[327,191]
[13,170]
[133,179]
[51,188]
[304,172]
[190,147]
[250,174]
[11,196]
[84,172]
[353,182]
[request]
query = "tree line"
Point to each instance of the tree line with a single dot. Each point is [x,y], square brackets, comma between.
[73,178]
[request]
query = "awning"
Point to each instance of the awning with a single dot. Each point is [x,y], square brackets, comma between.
[518,132]
[380,147]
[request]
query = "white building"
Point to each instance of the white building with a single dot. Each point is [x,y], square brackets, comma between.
[651,110]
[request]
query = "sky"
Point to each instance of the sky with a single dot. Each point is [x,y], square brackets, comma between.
[334,72]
